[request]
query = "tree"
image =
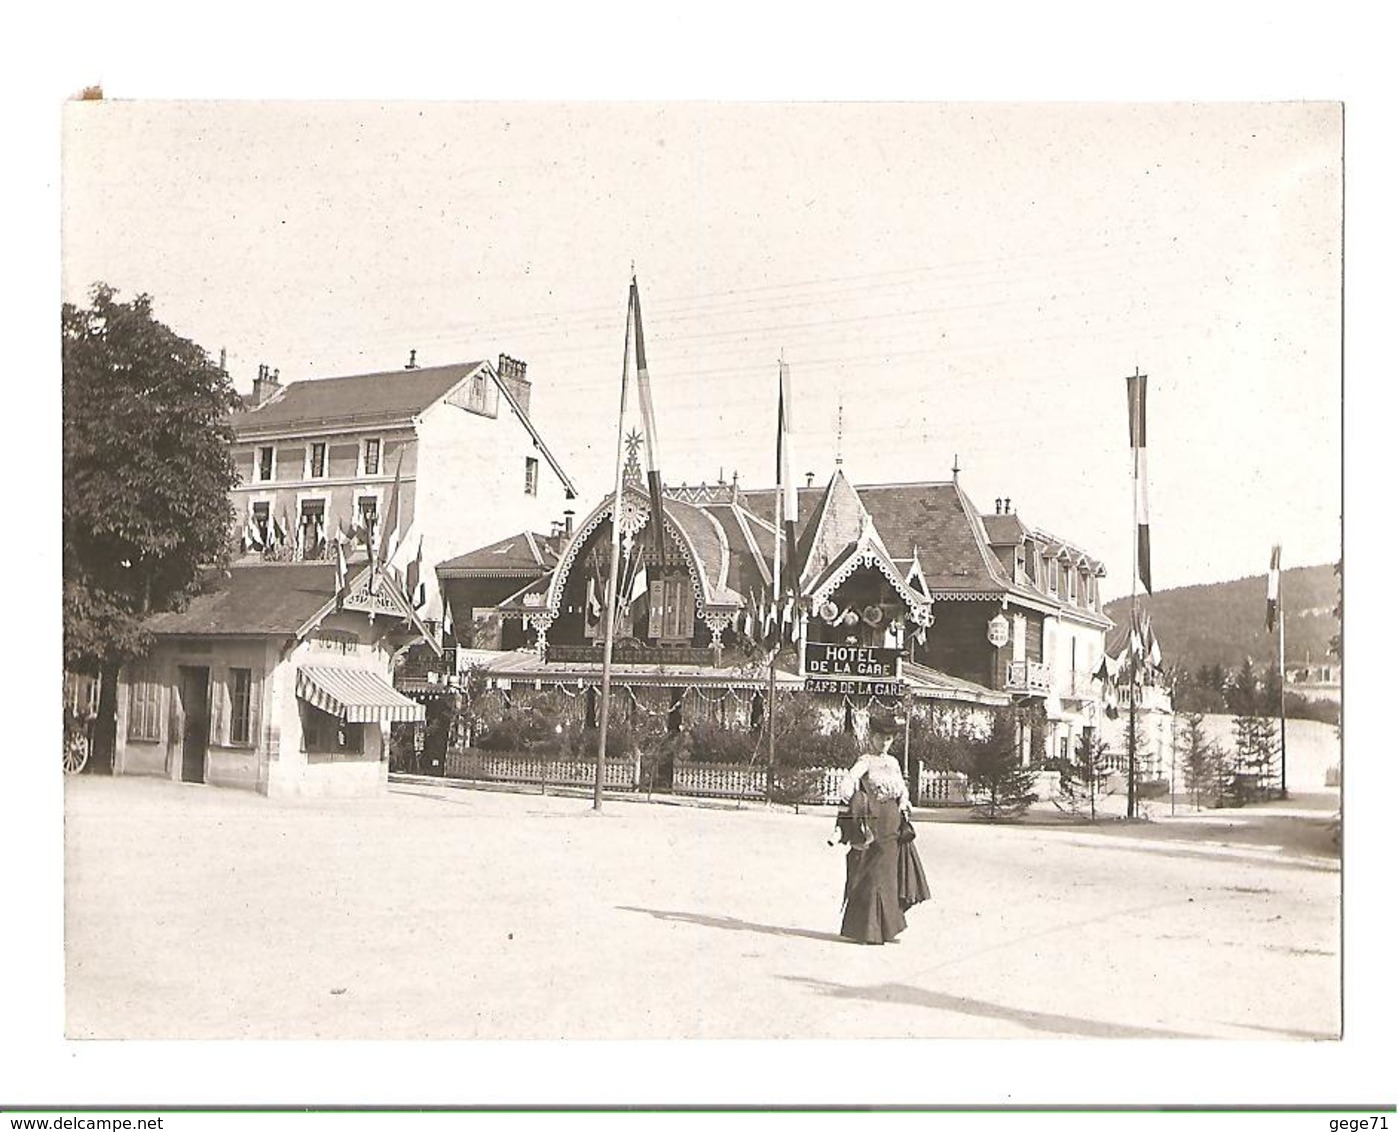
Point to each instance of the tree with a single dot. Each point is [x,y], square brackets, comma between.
[146,474]
[1080,776]
[1203,769]
[997,777]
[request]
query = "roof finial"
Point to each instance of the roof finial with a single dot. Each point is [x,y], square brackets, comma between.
[955,467]
[840,432]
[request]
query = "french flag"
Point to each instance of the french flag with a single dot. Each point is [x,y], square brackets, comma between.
[1136,411]
[1273,588]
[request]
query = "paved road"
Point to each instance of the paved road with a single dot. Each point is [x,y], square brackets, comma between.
[436,912]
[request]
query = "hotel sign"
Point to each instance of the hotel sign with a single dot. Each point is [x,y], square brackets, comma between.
[851,662]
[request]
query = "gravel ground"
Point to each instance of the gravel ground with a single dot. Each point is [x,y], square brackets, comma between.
[433,912]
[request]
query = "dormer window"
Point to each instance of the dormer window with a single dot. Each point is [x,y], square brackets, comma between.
[1021,571]
[531,476]
[1072,586]
[315,461]
[1053,576]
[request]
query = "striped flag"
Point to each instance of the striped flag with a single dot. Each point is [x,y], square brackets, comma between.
[785,484]
[1273,588]
[648,424]
[417,585]
[388,537]
[1136,412]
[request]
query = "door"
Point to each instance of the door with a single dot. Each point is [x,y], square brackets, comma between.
[194,696]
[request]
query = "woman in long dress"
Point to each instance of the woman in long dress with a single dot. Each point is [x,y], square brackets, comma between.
[872,913]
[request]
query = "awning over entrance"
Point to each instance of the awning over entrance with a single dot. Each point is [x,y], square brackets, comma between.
[356,695]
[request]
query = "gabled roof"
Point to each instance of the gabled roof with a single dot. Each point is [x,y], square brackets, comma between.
[268,599]
[1004,530]
[390,395]
[519,555]
[262,599]
[838,524]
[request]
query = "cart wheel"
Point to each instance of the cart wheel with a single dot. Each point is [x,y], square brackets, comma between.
[75,752]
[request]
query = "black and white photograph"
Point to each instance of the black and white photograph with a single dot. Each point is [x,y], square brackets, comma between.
[660,572]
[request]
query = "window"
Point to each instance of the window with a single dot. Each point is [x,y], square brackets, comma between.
[531,476]
[367,513]
[262,520]
[372,449]
[1053,576]
[143,710]
[1072,586]
[1021,571]
[328,735]
[265,461]
[310,531]
[240,706]
[315,461]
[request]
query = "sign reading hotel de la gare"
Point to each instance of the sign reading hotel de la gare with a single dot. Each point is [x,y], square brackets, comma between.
[852,670]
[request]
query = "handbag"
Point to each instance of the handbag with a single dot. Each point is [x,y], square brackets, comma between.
[906,832]
[852,822]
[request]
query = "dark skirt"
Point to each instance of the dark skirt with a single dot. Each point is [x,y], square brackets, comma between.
[872,913]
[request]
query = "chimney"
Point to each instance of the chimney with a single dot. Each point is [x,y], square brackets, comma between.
[265,384]
[412,360]
[810,479]
[998,503]
[1008,510]
[568,522]
[511,371]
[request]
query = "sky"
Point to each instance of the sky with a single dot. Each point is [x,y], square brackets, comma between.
[948,282]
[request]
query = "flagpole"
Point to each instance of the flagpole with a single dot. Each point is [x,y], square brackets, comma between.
[776,583]
[1130,639]
[612,575]
[1281,664]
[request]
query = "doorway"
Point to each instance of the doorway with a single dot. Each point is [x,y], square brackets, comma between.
[194,696]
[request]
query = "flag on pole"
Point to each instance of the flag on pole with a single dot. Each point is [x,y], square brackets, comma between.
[252,535]
[1136,412]
[446,618]
[417,585]
[388,537]
[785,484]
[657,514]
[341,565]
[639,583]
[1273,588]
[281,528]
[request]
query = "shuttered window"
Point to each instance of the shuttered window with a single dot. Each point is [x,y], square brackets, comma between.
[143,707]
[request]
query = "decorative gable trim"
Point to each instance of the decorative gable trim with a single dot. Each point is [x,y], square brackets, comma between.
[870,553]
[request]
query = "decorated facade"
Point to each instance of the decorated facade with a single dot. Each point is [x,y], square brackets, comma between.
[277,678]
[902,595]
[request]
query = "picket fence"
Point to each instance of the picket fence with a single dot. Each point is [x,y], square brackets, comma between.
[743,780]
[694,779]
[488,766]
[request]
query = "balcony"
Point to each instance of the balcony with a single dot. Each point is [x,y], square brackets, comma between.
[1078,686]
[1028,678]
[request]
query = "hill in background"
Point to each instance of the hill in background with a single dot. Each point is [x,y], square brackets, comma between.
[1224,622]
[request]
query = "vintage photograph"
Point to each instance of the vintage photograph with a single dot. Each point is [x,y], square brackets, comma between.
[688,570]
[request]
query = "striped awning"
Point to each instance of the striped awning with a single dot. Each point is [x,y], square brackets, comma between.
[356,695]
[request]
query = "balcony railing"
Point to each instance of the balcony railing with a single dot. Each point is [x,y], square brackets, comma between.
[1027,677]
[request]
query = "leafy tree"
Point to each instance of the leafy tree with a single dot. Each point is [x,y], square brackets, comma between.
[146,474]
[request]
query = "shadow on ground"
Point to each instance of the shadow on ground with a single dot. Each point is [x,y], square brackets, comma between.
[730,923]
[901,994]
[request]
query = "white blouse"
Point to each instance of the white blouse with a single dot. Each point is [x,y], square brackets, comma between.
[885,779]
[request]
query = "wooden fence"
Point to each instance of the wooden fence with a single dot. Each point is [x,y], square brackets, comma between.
[488,766]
